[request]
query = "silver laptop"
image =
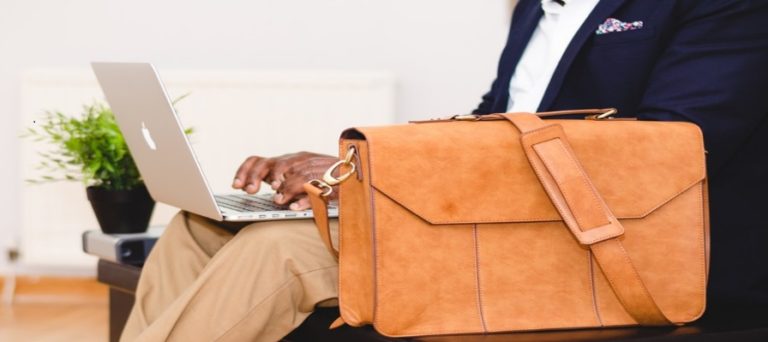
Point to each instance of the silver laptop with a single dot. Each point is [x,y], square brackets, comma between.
[164,155]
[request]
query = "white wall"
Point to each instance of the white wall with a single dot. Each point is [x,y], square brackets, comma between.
[443,53]
[325,103]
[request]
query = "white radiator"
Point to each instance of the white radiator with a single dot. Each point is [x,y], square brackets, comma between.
[235,114]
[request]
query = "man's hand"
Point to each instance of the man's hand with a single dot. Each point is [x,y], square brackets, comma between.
[286,174]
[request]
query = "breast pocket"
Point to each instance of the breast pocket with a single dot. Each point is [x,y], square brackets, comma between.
[624,37]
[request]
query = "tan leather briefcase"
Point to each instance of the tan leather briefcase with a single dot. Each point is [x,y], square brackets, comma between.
[507,222]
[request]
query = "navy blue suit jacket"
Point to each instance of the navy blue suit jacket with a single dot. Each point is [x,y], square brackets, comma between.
[694,60]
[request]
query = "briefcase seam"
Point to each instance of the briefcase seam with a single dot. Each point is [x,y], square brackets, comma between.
[478,285]
[533,219]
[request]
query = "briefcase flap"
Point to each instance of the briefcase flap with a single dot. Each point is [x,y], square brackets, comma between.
[463,172]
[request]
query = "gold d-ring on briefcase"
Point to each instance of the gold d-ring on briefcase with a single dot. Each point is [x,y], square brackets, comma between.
[508,222]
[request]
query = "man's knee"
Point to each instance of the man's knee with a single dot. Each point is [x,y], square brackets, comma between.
[173,232]
[276,234]
[189,231]
[287,240]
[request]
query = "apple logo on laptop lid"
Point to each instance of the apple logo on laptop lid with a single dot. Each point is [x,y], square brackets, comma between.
[148,137]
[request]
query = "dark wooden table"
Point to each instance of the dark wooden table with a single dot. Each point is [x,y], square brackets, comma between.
[738,326]
[732,328]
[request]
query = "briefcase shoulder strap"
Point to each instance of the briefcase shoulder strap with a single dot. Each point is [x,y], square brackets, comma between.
[584,212]
[319,204]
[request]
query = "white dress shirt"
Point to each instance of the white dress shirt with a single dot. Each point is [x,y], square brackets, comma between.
[551,37]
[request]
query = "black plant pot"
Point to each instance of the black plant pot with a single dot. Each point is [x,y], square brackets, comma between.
[121,211]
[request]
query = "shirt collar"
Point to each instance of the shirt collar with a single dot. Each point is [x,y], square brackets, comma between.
[552,7]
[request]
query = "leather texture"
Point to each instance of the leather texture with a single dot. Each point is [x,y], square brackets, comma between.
[324,227]
[515,223]
[585,213]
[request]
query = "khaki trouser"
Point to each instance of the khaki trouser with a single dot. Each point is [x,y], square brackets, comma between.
[202,283]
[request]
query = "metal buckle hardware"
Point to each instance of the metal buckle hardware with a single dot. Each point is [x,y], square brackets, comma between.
[466,117]
[329,180]
[603,116]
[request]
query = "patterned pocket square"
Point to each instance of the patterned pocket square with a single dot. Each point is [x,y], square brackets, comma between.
[615,25]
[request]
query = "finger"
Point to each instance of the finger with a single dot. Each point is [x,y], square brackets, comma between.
[277,176]
[301,204]
[256,174]
[284,164]
[292,188]
[242,172]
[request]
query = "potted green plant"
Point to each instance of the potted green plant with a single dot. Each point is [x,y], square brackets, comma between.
[91,148]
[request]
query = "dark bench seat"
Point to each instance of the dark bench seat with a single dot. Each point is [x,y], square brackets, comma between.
[122,280]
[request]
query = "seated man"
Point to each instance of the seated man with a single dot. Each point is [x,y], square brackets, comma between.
[684,60]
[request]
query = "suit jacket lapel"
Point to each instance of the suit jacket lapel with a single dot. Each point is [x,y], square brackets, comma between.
[601,12]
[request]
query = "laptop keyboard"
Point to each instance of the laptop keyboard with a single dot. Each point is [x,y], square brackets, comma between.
[247,203]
